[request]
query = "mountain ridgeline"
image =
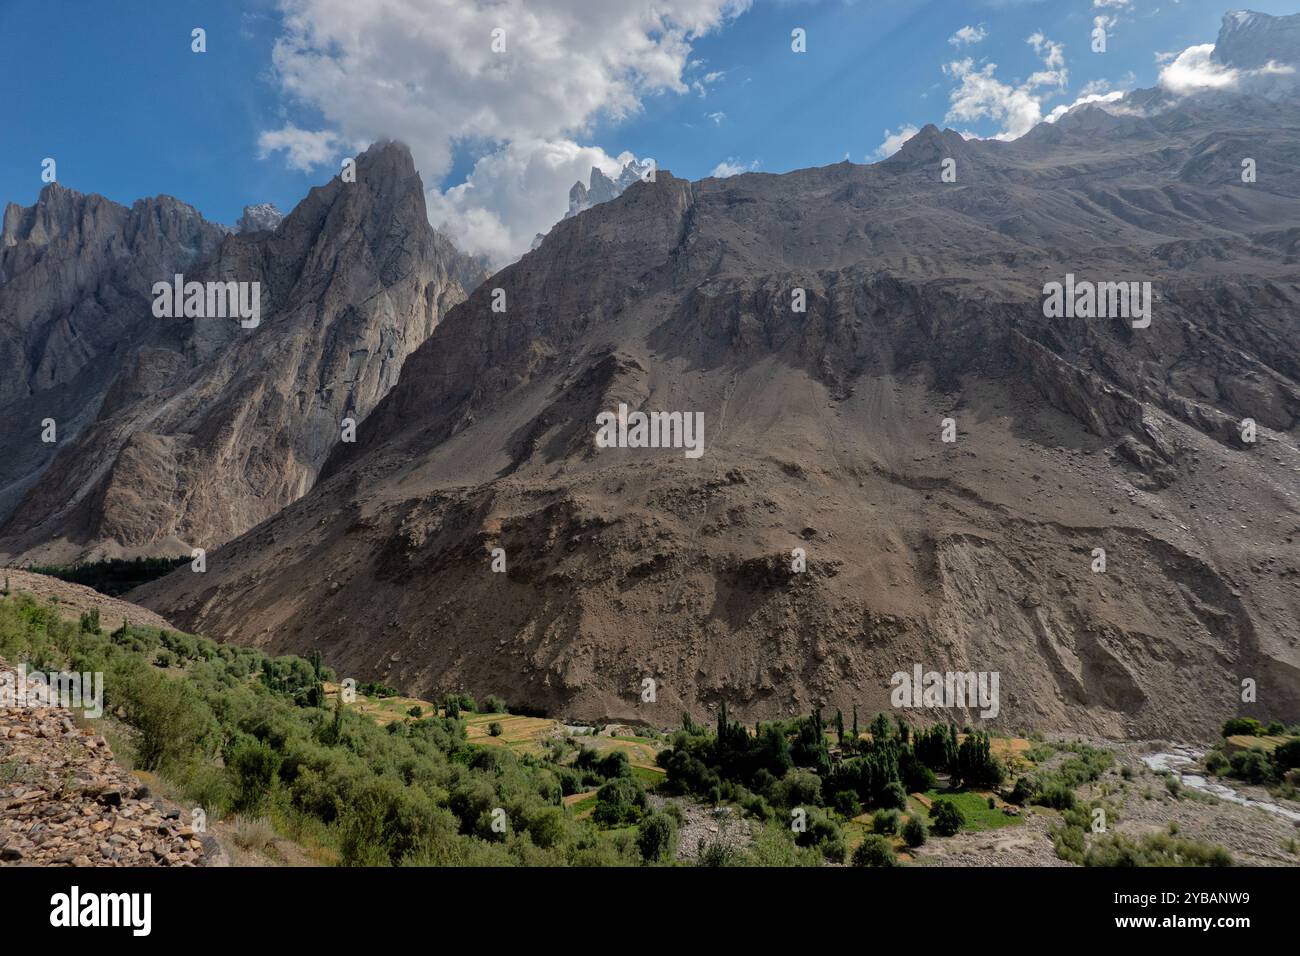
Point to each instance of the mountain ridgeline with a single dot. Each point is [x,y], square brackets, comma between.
[920,467]
[180,432]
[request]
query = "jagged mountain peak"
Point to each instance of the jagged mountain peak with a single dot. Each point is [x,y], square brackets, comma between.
[1250,41]
[930,144]
[347,284]
[261,217]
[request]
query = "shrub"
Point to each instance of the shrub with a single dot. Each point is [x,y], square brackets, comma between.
[894,796]
[823,834]
[1056,794]
[254,765]
[1250,765]
[947,817]
[494,705]
[169,721]
[799,789]
[494,729]
[656,838]
[874,851]
[251,833]
[416,711]
[914,831]
[885,822]
[619,802]
[1286,756]
[847,804]
[1239,726]
[1159,849]
[614,764]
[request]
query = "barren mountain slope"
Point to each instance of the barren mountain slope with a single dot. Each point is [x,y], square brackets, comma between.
[823,432]
[196,429]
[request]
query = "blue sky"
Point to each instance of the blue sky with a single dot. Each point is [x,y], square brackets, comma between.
[113,92]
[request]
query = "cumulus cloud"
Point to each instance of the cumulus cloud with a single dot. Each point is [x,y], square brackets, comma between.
[968,35]
[732,167]
[511,194]
[1053,54]
[428,72]
[303,149]
[981,95]
[1194,70]
[894,141]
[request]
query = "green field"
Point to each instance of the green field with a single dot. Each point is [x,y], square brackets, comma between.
[973,806]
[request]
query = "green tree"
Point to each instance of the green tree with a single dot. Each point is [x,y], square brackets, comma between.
[947,816]
[254,765]
[656,838]
[874,851]
[1242,726]
[885,822]
[914,831]
[619,802]
[169,722]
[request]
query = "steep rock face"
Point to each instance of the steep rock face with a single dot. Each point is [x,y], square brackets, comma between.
[824,432]
[204,428]
[1249,41]
[75,275]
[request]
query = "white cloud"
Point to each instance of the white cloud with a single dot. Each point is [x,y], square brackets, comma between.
[701,85]
[511,194]
[303,149]
[732,167]
[716,118]
[1196,71]
[894,141]
[1193,70]
[1053,55]
[981,95]
[425,72]
[1112,4]
[968,35]
[1110,97]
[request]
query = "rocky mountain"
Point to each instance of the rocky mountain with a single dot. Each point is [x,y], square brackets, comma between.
[1251,41]
[601,189]
[261,217]
[926,465]
[180,432]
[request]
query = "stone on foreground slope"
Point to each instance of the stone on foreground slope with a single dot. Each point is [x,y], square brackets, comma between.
[64,801]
